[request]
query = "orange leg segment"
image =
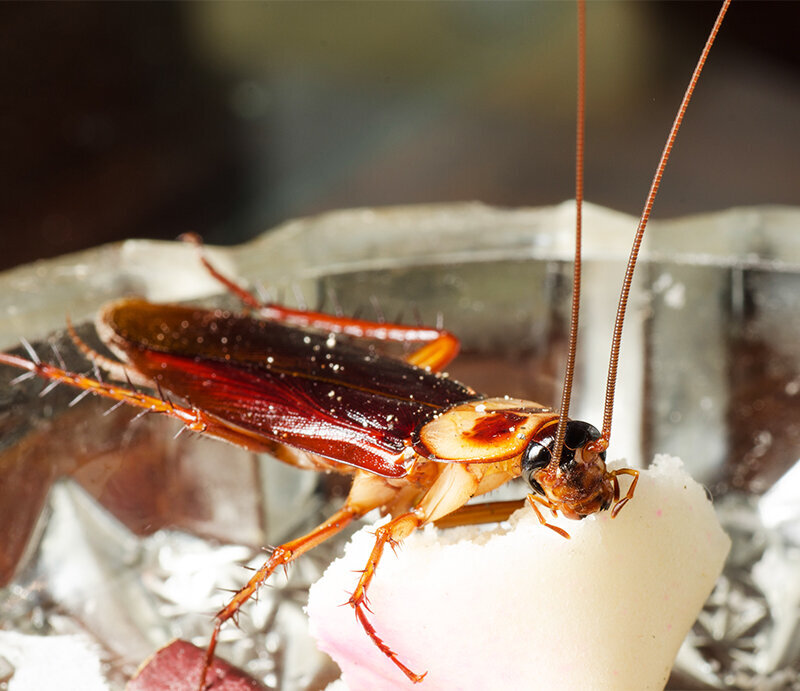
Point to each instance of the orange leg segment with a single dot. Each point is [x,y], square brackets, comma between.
[246,297]
[391,533]
[483,512]
[629,494]
[194,419]
[533,499]
[440,346]
[281,556]
[437,354]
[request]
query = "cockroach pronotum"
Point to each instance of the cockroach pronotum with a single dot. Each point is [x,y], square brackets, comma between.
[418,445]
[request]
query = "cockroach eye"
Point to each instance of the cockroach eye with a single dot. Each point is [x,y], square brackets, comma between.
[539,453]
[578,435]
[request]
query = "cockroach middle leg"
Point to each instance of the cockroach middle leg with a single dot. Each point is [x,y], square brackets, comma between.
[480,513]
[246,297]
[440,348]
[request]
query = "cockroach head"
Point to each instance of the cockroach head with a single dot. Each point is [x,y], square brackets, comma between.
[539,453]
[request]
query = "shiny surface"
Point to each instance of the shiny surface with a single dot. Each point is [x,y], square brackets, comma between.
[298,386]
[712,372]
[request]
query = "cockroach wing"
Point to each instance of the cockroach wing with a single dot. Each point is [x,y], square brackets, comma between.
[265,381]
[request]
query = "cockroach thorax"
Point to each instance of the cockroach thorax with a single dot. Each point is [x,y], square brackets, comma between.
[483,430]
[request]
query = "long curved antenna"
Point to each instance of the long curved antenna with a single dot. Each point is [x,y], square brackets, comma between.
[566,392]
[611,382]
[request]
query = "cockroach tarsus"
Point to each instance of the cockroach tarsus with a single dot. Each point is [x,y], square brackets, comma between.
[418,445]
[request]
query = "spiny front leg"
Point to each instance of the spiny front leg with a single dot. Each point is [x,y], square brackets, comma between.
[533,499]
[390,534]
[629,494]
[281,556]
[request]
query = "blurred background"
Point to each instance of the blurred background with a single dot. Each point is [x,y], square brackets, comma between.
[147,120]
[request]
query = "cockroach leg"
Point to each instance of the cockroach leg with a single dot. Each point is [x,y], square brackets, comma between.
[447,491]
[436,354]
[281,556]
[629,494]
[50,387]
[116,370]
[533,499]
[484,512]
[194,419]
[246,297]
[440,346]
[25,376]
[385,649]
[57,355]
[391,533]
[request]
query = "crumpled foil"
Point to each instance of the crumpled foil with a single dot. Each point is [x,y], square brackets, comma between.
[124,532]
[92,576]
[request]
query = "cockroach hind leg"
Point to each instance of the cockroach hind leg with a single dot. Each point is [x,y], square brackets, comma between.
[191,238]
[533,500]
[57,355]
[115,369]
[245,297]
[76,399]
[52,385]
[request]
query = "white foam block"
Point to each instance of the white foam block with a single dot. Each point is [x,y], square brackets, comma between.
[519,607]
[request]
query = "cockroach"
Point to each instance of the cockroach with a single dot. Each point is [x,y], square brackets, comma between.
[418,444]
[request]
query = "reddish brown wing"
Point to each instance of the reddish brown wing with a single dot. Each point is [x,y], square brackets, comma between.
[290,385]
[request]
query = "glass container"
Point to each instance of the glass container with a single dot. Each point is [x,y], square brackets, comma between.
[119,528]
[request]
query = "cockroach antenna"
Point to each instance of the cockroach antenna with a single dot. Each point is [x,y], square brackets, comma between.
[417,444]
[580,137]
[611,380]
[601,444]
